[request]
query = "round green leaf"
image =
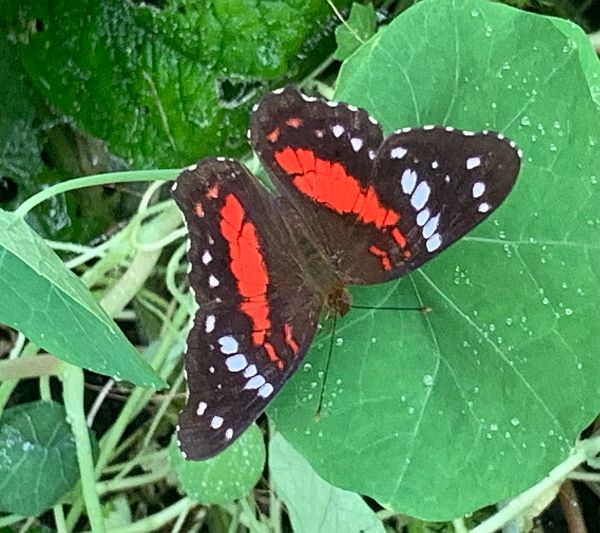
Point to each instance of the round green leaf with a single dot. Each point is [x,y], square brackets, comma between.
[226,477]
[437,414]
[38,461]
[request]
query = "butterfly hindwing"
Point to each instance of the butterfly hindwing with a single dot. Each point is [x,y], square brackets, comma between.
[442,182]
[256,317]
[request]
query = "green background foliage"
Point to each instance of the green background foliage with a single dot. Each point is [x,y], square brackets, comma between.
[226,477]
[48,303]
[165,87]
[38,464]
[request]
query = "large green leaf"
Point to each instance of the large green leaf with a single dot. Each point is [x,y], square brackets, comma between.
[40,297]
[166,84]
[436,414]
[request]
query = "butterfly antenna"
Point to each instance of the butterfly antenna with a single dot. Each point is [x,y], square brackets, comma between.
[329,353]
[423,309]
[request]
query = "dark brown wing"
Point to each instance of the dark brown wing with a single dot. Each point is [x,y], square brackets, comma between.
[256,316]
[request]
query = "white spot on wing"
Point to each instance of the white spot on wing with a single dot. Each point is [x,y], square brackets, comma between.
[250,371]
[423,217]
[255,382]
[213,282]
[431,226]
[356,143]
[409,180]
[228,344]
[421,195]
[209,325]
[193,167]
[216,422]
[236,362]
[478,189]
[337,130]
[229,433]
[473,162]
[434,242]
[201,408]
[435,164]
[206,257]
[308,98]
[398,152]
[484,207]
[266,390]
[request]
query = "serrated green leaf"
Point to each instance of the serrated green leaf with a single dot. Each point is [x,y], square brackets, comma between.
[166,85]
[441,413]
[38,461]
[359,27]
[40,297]
[225,477]
[314,505]
[19,142]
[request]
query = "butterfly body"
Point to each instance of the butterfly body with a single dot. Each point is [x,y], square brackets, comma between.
[350,207]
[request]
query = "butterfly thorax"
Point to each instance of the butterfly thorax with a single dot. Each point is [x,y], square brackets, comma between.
[337,301]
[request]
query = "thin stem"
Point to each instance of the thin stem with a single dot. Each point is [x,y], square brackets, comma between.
[521,503]
[73,396]
[90,181]
[571,508]
[132,482]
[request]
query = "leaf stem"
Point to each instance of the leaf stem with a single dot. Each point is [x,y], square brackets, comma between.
[90,181]
[72,378]
[519,504]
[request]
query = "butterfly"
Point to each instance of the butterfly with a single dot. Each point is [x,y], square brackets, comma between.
[349,206]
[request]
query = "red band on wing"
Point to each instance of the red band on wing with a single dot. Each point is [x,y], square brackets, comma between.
[330,185]
[248,267]
[382,254]
[289,338]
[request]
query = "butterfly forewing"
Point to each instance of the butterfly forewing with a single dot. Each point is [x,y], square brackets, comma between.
[256,317]
[320,156]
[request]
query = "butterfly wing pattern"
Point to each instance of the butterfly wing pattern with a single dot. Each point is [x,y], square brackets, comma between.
[352,207]
[381,208]
[256,317]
